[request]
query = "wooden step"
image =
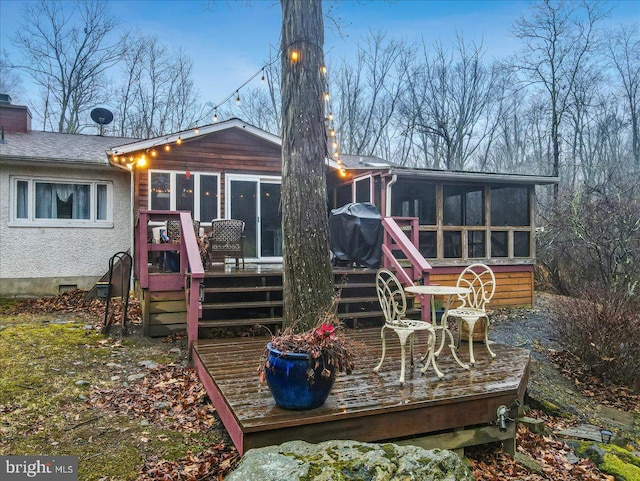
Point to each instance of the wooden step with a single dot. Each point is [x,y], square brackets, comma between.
[241,305]
[242,290]
[240,322]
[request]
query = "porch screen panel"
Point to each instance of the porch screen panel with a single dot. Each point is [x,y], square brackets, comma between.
[463,205]
[521,244]
[499,246]
[208,198]
[160,196]
[343,195]
[184,192]
[363,190]
[475,244]
[452,244]
[414,199]
[510,206]
[428,244]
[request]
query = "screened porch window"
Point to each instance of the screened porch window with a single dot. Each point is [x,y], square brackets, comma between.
[414,199]
[466,221]
[196,192]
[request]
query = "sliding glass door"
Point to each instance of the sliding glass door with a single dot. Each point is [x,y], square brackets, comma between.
[256,201]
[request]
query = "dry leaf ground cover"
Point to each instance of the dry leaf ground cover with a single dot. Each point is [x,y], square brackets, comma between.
[132,408]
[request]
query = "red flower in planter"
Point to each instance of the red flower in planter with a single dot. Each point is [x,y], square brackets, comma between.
[326,330]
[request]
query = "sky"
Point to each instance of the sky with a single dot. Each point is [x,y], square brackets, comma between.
[229,41]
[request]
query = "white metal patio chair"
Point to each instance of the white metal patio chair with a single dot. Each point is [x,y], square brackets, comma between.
[481,282]
[394,306]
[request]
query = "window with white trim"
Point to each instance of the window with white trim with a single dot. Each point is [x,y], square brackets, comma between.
[196,192]
[52,202]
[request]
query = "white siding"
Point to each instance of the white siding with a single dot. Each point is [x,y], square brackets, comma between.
[37,260]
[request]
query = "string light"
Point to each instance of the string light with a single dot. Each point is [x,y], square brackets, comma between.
[142,161]
[215,117]
[295,56]
[326,96]
[262,79]
[196,130]
[154,153]
[167,147]
[330,117]
[323,70]
[179,141]
[332,133]
[238,97]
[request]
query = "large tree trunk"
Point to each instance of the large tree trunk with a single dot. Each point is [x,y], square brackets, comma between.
[308,283]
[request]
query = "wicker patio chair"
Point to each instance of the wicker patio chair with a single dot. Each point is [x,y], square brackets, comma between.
[226,240]
[481,282]
[394,307]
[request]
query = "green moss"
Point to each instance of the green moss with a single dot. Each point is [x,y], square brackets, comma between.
[618,467]
[40,362]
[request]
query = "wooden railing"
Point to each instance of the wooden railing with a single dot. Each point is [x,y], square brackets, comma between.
[191,273]
[395,239]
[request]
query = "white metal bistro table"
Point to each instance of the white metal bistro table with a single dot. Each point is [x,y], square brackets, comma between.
[444,291]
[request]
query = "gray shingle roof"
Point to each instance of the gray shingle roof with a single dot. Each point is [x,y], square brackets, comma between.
[37,146]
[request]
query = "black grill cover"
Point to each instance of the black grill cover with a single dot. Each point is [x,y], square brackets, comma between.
[355,231]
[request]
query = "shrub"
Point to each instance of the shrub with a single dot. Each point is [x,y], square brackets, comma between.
[591,236]
[602,329]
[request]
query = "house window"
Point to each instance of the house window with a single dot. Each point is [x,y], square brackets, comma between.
[196,192]
[50,202]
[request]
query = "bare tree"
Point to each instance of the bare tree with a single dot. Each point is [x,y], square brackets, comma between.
[157,95]
[448,102]
[624,53]
[368,92]
[67,53]
[558,36]
[10,80]
[308,282]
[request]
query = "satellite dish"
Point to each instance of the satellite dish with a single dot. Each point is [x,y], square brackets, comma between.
[101,117]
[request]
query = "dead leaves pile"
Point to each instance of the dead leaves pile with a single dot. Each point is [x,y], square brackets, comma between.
[169,396]
[619,397]
[74,302]
[214,464]
[491,465]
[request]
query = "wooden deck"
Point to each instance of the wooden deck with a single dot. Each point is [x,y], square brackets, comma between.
[367,406]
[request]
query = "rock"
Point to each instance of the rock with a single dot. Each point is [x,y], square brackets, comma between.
[161,405]
[135,377]
[175,350]
[148,364]
[82,397]
[82,382]
[114,365]
[115,378]
[349,460]
[583,431]
[144,422]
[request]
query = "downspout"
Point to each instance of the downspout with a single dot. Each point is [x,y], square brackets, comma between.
[387,207]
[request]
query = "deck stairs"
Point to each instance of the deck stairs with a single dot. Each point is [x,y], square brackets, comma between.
[251,298]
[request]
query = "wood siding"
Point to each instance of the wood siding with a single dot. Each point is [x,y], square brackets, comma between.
[227,151]
[514,288]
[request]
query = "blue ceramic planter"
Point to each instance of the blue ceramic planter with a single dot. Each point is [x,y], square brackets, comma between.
[288,382]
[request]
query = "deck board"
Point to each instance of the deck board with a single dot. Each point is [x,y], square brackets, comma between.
[364,406]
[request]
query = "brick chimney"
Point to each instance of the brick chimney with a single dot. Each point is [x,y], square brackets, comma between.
[14,118]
